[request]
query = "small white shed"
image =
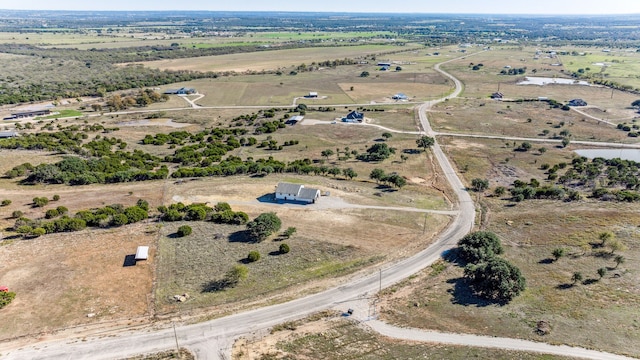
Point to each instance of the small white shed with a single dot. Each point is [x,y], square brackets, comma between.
[142,253]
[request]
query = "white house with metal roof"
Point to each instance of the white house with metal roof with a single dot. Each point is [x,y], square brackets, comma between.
[296,192]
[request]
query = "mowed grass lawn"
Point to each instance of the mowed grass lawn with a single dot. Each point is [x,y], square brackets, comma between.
[595,313]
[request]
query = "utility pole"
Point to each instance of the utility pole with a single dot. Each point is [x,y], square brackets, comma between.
[424,227]
[175,334]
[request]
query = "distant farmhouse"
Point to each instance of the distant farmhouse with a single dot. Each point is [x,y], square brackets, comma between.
[27,114]
[497,95]
[181,91]
[353,117]
[312,94]
[296,192]
[8,134]
[400,96]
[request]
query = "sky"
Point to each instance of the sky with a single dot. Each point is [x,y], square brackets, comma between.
[562,7]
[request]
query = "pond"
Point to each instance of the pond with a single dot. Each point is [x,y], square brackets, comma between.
[532,80]
[624,154]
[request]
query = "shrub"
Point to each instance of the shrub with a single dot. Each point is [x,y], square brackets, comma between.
[40,201]
[235,275]
[62,210]
[290,231]
[184,230]
[135,214]
[253,256]
[6,298]
[284,248]
[56,197]
[38,232]
[51,213]
[6,202]
[16,214]
[143,204]
[119,220]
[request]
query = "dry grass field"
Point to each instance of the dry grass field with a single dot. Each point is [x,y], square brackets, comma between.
[333,337]
[527,119]
[482,83]
[596,313]
[268,60]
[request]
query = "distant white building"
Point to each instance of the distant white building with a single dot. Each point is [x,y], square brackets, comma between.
[296,192]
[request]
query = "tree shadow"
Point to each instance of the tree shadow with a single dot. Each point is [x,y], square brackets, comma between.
[216,285]
[590,281]
[564,286]
[546,261]
[275,253]
[241,236]
[604,255]
[462,294]
[244,261]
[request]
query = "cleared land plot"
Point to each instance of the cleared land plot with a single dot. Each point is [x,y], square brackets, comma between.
[330,241]
[337,338]
[63,280]
[527,119]
[619,65]
[332,85]
[268,60]
[595,313]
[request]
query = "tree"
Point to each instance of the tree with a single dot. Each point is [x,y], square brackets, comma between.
[334,171]
[349,173]
[499,191]
[558,253]
[184,230]
[253,256]
[377,175]
[6,202]
[143,204]
[565,142]
[525,146]
[263,226]
[236,274]
[495,279]
[576,277]
[479,184]
[327,153]
[619,259]
[479,246]
[387,135]
[364,74]
[425,142]
[284,248]
[119,220]
[16,214]
[636,104]
[542,150]
[602,272]
[56,197]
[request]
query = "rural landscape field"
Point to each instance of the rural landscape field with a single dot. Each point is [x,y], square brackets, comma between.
[284,186]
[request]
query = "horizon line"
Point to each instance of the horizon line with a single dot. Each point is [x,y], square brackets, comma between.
[330,12]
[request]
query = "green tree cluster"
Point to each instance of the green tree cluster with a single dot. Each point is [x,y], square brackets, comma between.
[489,276]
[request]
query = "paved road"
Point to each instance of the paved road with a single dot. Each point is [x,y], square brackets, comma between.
[212,339]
